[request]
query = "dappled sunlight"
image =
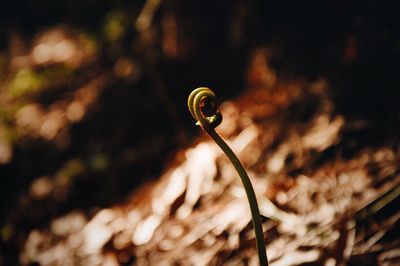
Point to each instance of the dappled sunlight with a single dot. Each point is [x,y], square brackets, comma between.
[45,68]
[324,134]
[41,188]
[125,68]
[6,150]
[34,120]
[101,163]
[198,209]
[259,73]
[58,45]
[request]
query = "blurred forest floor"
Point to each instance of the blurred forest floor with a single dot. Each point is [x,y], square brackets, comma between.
[101,163]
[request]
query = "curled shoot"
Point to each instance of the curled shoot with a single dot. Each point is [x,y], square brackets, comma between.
[202,104]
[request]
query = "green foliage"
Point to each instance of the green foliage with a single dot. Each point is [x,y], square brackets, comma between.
[115,25]
[27,81]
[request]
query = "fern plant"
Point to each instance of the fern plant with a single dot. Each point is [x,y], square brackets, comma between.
[202,104]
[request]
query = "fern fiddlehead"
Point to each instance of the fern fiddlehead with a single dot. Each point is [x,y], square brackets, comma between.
[203,106]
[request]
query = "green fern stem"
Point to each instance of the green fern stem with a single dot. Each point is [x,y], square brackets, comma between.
[203,107]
